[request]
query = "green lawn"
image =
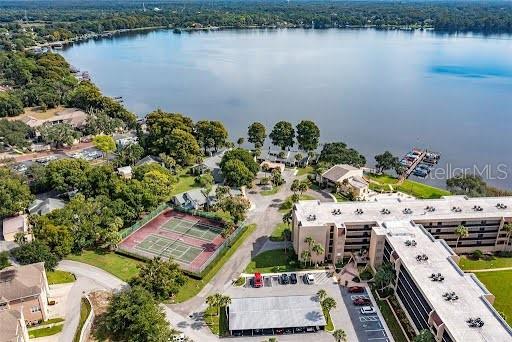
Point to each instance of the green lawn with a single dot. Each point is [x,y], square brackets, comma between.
[277,234]
[497,262]
[273,261]
[45,331]
[340,198]
[218,323]
[499,283]
[330,325]
[409,187]
[301,171]
[185,183]
[391,321]
[193,286]
[60,277]
[118,265]
[85,309]
[273,191]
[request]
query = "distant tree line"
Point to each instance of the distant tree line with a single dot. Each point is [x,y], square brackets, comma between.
[66,19]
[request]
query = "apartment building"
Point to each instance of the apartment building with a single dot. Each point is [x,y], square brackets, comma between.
[345,228]
[25,289]
[432,290]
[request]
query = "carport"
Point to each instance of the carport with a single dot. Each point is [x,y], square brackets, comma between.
[252,316]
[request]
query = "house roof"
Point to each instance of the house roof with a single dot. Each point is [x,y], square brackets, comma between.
[14,224]
[22,281]
[148,159]
[335,173]
[124,169]
[9,321]
[46,206]
[275,312]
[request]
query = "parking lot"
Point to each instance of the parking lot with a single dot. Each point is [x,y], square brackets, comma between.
[368,327]
[346,315]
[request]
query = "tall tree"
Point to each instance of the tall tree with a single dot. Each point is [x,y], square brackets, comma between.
[104,143]
[282,135]
[385,275]
[321,294]
[340,153]
[240,141]
[14,134]
[133,315]
[257,134]
[183,147]
[386,161]
[35,251]
[10,104]
[308,135]
[424,336]
[465,184]
[58,134]
[15,194]
[129,154]
[161,278]
[507,227]
[340,335]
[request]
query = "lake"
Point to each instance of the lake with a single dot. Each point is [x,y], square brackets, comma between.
[374,90]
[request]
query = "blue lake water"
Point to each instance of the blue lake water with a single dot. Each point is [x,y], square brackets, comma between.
[374,90]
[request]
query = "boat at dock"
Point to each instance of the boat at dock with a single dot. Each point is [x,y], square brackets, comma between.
[419,162]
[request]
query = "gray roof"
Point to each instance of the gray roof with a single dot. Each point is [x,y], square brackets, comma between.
[338,171]
[275,312]
[148,160]
[46,206]
[289,156]
[20,282]
[9,321]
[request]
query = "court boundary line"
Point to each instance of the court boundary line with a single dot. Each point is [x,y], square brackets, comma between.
[149,250]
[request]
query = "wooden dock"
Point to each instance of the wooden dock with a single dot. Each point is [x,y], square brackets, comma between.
[411,168]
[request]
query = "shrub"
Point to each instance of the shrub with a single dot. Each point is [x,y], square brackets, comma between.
[356,279]
[477,254]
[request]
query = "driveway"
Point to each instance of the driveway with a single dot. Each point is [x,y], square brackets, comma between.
[88,279]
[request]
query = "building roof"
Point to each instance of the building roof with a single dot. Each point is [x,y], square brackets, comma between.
[22,281]
[9,321]
[148,160]
[125,169]
[448,207]
[14,224]
[289,156]
[72,116]
[275,312]
[46,206]
[471,302]
[337,172]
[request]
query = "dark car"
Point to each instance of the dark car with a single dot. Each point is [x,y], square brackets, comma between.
[299,330]
[279,331]
[285,279]
[362,301]
[293,278]
[356,289]
[288,330]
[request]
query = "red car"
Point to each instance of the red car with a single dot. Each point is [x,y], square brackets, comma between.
[362,301]
[356,289]
[258,280]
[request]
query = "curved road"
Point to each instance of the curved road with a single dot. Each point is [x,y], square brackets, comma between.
[88,279]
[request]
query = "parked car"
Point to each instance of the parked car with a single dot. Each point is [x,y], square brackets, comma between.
[293,278]
[368,310]
[288,330]
[284,279]
[310,329]
[258,280]
[299,330]
[356,289]
[309,279]
[362,301]
[279,331]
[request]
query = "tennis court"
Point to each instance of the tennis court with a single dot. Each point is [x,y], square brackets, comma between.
[194,229]
[167,248]
[189,240]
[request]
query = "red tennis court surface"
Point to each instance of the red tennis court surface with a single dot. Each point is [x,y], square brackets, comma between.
[189,240]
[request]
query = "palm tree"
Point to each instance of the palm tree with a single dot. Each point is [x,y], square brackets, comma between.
[212,301]
[305,256]
[318,249]
[340,335]
[384,275]
[303,186]
[461,232]
[321,294]
[328,304]
[309,240]
[507,227]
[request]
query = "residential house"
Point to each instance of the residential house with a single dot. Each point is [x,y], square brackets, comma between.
[125,172]
[148,160]
[25,289]
[346,179]
[196,199]
[13,225]
[289,158]
[271,166]
[72,116]
[12,325]
[210,164]
[45,206]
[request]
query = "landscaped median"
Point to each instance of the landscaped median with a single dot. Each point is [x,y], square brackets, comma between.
[60,277]
[85,311]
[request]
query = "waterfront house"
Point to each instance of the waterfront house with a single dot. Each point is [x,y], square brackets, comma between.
[345,179]
[291,158]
